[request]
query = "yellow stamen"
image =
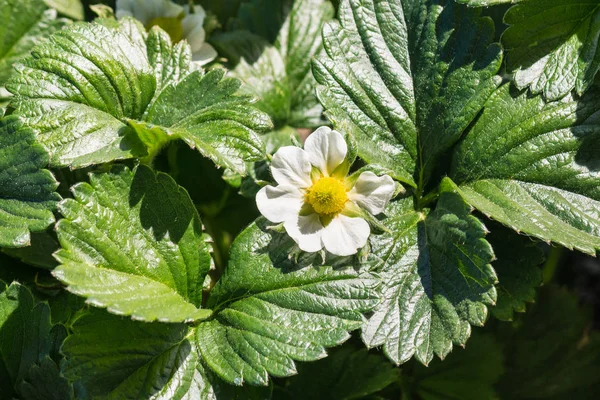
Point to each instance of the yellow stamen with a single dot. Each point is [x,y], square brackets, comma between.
[172,26]
[327,196]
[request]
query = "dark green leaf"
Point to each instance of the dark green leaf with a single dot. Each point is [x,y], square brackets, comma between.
[84,90]
[534,167]
[132,242]
[224,9]
[552,45]
[347,373]
[27,191]
[467,374]
[39,252]
[437,280]
[517,264]
[406,78]
[44,382]
[269,310]
[27,341]
[551,354]
[486,3]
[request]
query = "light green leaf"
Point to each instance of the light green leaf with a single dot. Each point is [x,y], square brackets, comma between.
[552,45]
[27,191]
[403,76]
[533,166]
[27,341]
[550,352]
[77,87]
[437,279]
[266,80]
[132,242]
[517,264]
[171,63]
[347,373]
[269,310]
[71,8]
[280,75]
[84,90]
[25,24]
[212,119]
[467,374]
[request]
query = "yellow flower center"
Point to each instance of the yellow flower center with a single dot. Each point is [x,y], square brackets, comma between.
[172,26]
[327,196]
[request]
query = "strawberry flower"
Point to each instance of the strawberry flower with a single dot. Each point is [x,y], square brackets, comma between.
[176,20]
[317,203]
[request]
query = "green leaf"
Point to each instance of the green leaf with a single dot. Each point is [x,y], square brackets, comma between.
[132,242]
[39,252]
[541,177]
[269,310]
[86,88]
[487,3]
[280,75]
[467,374]
[552,45]
[27,191]
[403,78]
[224,9]
[347,373]
[44,382]
[518,260]
[106,356]
[25,24]
[27,341]
[263,18]
[212,119]
[437,279]
[550,353]
[71,8]
[171,63]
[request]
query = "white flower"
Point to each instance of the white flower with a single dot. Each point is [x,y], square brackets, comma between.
[318,205]
[176,20]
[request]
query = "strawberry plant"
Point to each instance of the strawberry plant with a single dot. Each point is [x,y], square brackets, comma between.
[290,199]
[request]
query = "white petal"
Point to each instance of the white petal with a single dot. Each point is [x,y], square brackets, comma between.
[196,38]
[326,149]
[168,9]
[191,22]
[279,203]
[306,230]
[372,192]
[290,166]
[205,55]
[345,235]
[198,10]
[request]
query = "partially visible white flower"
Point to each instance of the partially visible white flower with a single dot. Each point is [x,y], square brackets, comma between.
[176,20]
[318,205]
